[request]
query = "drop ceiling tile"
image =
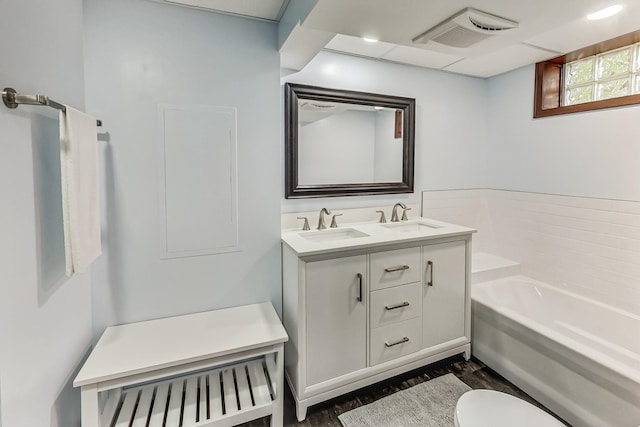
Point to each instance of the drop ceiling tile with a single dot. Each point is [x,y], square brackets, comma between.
[581,32]
[357,46]
[509,58]
[420,57]
[264,9]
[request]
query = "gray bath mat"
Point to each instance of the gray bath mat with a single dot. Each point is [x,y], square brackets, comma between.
[430,404]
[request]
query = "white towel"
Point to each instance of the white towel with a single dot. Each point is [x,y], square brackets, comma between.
[79,172]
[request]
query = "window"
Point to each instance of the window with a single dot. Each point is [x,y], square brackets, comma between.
[600,76]
[608,75]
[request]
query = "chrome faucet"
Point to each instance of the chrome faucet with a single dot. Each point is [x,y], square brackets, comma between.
[394,213]
[321,225]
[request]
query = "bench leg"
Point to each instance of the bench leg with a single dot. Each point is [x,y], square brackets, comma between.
[277,416]
[90,406]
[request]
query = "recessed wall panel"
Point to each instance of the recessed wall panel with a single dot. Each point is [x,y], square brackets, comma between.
[198,199]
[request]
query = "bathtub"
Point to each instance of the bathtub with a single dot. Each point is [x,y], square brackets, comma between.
[578,357]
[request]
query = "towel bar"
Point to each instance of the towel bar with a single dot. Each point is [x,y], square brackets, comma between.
[12,99]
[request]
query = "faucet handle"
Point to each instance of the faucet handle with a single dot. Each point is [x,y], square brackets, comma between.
[305,227]
[334,224]
[383,219]
[404,214]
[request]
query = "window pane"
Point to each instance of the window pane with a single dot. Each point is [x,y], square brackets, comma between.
[615,63]
[614,88]
[637,63]
[578,95]
[579,72]
[636,84]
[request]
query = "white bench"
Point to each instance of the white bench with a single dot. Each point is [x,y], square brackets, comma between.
[216,368]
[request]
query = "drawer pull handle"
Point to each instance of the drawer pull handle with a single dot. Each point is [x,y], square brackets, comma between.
[397,268]
[402,341]
[430,268]
[393,307]
[360,287]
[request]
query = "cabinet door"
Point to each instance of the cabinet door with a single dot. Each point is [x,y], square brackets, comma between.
[443,290]
[336,317]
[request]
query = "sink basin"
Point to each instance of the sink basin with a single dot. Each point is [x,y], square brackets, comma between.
[410,227]
[331,235]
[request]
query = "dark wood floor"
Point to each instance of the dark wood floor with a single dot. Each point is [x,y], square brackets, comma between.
[473,373]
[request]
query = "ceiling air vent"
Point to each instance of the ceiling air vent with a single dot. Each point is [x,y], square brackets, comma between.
[466,28]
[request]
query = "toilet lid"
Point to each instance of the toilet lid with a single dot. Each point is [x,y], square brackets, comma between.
[490,408]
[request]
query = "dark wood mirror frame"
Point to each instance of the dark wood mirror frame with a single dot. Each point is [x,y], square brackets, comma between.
[293,92]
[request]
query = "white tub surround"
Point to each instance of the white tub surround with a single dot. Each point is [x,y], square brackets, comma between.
[367,301]
[578,357]
[486,267]
[589,246]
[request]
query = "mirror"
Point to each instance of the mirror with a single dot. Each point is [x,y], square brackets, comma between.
[345,143]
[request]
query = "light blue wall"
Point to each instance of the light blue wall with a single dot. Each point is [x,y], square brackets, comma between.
[140,54]
[593,154]
[45,318]
[450,123]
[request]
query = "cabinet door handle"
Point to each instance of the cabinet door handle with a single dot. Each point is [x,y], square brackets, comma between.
[360,287]
[393,307]
[430,268]
[402,341]
[397,268]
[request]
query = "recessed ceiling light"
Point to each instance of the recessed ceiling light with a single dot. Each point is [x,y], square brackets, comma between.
[370,40]
[331,69]
[605,13]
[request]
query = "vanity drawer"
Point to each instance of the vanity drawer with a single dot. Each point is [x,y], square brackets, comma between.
[395,304]
[393,268]
[395,340]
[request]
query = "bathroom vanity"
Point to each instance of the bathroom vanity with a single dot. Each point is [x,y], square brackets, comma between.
[368,301]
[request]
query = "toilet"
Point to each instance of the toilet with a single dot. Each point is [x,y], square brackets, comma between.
[490,408]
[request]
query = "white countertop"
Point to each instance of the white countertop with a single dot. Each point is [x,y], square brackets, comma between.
[155,344]
[377,234]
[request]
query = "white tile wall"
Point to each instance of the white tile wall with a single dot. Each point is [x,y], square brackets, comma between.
[463,207]
[586,245]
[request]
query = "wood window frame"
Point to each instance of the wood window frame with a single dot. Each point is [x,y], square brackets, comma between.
[548,80]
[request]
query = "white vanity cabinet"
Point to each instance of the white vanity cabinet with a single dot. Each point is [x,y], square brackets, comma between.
[359,315]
